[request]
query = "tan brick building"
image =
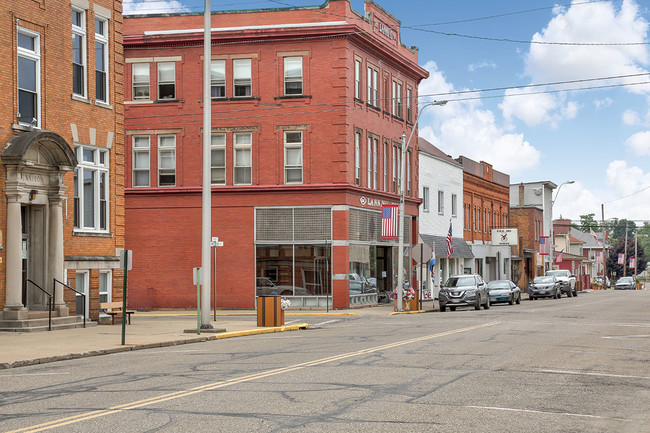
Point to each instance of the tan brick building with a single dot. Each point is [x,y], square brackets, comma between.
[61,177]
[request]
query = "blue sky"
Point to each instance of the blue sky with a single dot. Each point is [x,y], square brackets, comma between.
[600,138]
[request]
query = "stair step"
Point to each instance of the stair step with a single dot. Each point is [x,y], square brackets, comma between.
[54,327]
[34,325]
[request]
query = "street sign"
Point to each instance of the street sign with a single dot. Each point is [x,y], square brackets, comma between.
[421,252]
[129,261]
[196,276]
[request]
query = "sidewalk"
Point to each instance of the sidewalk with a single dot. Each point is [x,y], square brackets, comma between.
[147,330]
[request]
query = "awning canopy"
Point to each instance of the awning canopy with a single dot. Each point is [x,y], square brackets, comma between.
[461,249]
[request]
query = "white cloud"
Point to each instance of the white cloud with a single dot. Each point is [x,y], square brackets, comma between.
[603,102]
[536,109]
[132,7]
[464,128]
[631,117]
[640,143]
[481,65]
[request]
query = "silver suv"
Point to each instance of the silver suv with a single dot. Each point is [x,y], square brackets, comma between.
[464,290]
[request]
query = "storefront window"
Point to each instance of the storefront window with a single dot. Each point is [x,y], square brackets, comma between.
[292,270]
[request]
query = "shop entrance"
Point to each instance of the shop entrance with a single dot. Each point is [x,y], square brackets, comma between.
[384,273]
[33,256]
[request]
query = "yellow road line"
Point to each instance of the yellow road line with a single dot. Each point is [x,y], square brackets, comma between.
[221,384]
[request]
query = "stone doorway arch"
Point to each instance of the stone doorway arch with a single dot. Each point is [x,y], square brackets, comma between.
[35,165]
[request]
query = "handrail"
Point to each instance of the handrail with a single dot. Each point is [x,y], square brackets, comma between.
[49,303]
[76,291]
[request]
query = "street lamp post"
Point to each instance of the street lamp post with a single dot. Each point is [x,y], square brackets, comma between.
[552,246]
[400,253]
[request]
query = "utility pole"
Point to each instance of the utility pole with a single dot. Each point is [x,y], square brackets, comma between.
[636,255]
[625,254]
[602,208]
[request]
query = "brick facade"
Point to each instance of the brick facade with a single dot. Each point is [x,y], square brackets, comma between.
[329,114]
[78,119]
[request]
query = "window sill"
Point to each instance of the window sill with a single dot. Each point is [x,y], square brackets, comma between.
[292,97]
[103,105]
[360,101]
[387,113]
[138,101]
[167,101]
[398,118]
[24,127]
[78,232]
[240,98]
[80,99]
[374,107]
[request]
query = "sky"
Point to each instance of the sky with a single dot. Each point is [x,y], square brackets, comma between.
[592,128]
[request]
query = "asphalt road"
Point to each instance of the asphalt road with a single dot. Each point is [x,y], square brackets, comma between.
[569,365]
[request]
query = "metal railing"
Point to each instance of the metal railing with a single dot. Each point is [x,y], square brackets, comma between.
[76,291]
[49,302]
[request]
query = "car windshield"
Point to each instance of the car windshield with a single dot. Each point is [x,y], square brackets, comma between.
[543,280]
[460,281]
[557,273]
[498,285]
[626,280]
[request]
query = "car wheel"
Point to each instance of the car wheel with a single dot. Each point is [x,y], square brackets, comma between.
[569,294]
[443,308]
[575,293]
[452,308]
[511,301]
[532,298]
[518,299]
[487,304]
[477,306]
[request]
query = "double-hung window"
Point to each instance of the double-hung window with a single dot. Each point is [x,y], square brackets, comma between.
[91,189]
[357,158]
[166,80]
[369,161]
[242,77]
[441,202]
[243,149]
[293,156]
[140,160]
[454,205]
[425,198]
[395,169]
[29,77]
[409,94]
[408,174]
[293,75]
[101,60]
[397,99]
[218,159]
[218,79]
[357,79]
[373,94]
[385,166]
[79,52]
[375,169]
[369,81]
[140,80]
[105,288]
[166,160]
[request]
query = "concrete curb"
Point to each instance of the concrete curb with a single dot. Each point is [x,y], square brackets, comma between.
[127,347]
[408,312]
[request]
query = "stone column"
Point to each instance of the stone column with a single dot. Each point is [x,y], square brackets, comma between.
[55,253]
[14,308]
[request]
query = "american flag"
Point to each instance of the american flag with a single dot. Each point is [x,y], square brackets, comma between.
[450,242]
[593,234]
[543,245]
[558,258]
[599,257]
[389,221]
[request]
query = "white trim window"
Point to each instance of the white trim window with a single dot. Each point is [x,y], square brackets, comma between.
[370,92]
[357,79]
[101,59]
[141,160]
[79,52]
[441,202]
[243,150]
[166,160]
[386,167]
[242,78]
[394,169]
[293,75]
[218,79]
[369,161]
[292,156]
[29,77]
[140,80]
[375,169]
[82,282]
[375,90]
[357,158]
[454,205]
[408,173]
[91,189]
[105,289]
[409,95]
[425,199]
[166,80]
[218,159]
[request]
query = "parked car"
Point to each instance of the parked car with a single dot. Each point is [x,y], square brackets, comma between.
[599,281]
[359,285]
[266,287]
[464,290]
[504,291]
[567,281]
[544,287]
[625,283]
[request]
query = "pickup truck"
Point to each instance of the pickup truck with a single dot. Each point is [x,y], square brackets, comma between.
[567,281]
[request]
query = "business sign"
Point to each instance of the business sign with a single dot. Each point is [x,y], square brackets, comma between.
[505,237]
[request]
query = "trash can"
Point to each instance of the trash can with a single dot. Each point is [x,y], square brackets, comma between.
[269,311]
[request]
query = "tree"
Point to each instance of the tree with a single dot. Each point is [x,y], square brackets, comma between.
[619,247]
[588,222]
[619,229]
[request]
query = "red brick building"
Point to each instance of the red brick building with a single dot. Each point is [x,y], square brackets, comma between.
[486,204]
[529,222]
[308,105]
[61,177]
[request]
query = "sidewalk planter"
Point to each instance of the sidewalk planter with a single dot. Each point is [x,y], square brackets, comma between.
[269,311]
[408,305]
[639,286]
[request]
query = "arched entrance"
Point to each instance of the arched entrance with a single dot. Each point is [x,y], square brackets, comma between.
[35,164]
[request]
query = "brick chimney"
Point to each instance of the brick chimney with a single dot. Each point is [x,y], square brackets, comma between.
[562,226]
[521,194]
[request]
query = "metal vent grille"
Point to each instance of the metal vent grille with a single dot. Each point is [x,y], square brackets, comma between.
[274,224]
[288,225]
[312,224]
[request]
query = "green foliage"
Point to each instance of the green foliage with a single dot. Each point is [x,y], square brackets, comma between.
[619,247]
[588,222]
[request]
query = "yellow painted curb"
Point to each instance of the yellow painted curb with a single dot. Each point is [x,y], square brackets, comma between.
[407,312]
[259,331]
[240,314]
